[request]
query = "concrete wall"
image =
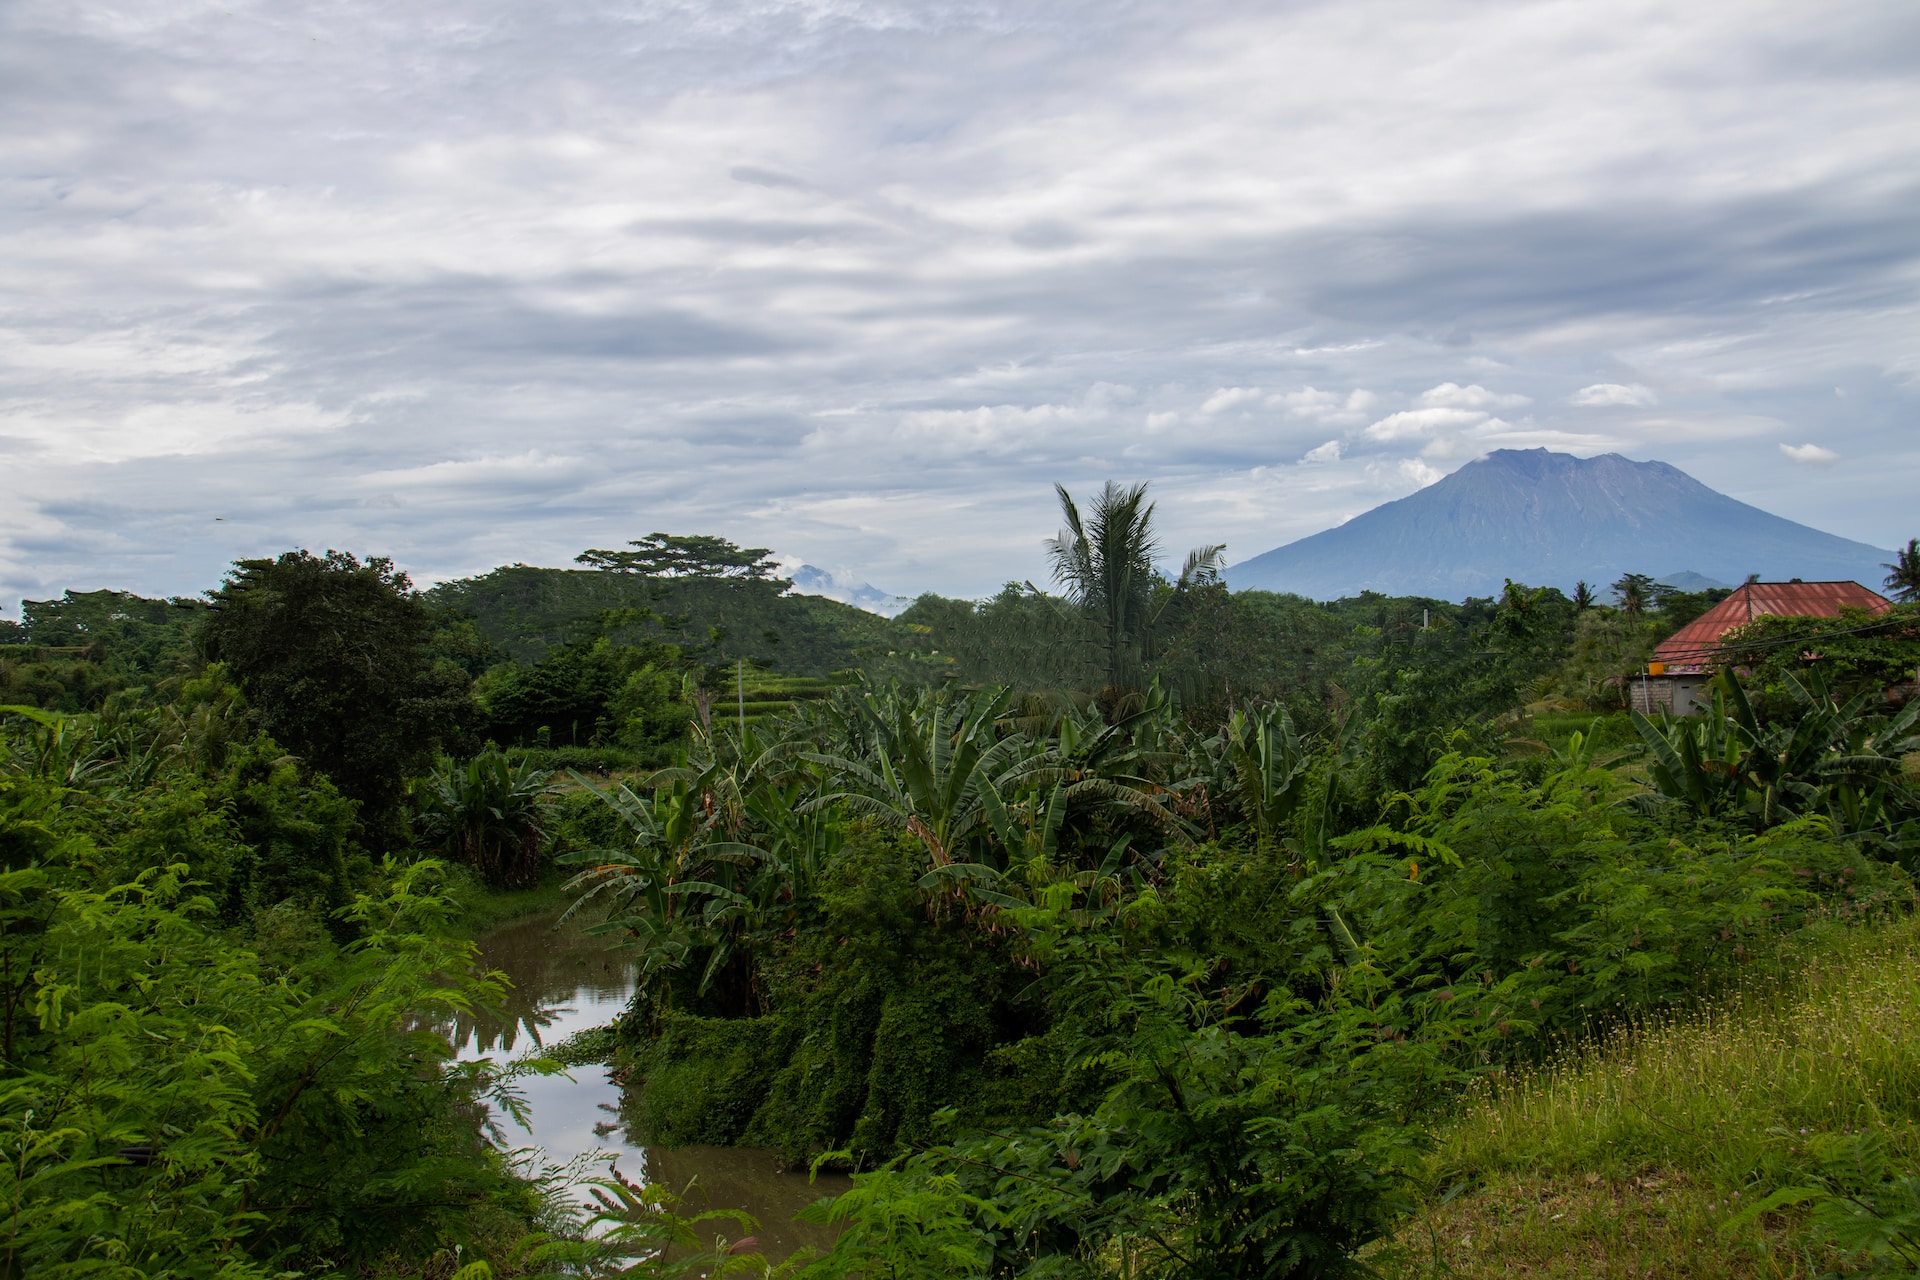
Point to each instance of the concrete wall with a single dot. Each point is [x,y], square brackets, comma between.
[1681,695]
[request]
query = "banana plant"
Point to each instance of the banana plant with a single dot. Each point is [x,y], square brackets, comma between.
[1833,759]
[676,890]
[1269,765]
[1858,780]
[1697,761]
[722,848]
[1318,823]
[935,760]
[1143,765]
[489,812]
[60,749]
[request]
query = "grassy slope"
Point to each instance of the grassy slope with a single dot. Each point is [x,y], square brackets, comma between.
[1634,1158]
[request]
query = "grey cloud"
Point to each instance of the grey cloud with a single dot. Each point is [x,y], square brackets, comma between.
[477,330]
[1508,272]
[756,176]
[358,243]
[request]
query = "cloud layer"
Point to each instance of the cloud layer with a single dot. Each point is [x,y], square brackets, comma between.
[860,279]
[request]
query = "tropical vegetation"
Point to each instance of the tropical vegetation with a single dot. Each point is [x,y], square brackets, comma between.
[1133,928]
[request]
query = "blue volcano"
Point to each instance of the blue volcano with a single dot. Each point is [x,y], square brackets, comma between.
[1551,519]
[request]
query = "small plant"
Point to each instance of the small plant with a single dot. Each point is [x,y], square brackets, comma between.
[639,1231]
[1865,1203]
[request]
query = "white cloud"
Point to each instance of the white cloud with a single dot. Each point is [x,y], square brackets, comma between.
[989,429]
[191,425]
[1668,430]
[1452,395]
[1328,452]
[1411,424]
[532,470]
[1810,455]
[1420,473]
[1228,397]
[1606,394]
[1327,407]
[1406,474]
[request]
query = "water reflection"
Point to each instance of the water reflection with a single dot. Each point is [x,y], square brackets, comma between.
[742,1178]
[566,981]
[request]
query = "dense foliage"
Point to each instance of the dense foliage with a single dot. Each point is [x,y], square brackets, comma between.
[1095,986]
[1141,929]
[715,619]
[73,653]
[337,658]
[208,1071]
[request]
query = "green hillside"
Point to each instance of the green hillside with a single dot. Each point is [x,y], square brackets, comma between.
[528,613]
[758,695]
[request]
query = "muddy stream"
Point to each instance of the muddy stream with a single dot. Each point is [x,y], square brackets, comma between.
[565,982]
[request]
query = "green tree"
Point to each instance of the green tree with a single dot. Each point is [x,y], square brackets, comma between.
[1105,561]
[1903,577]
[1636,593]
[195,1113]
[337,657]
[1859,649]
[665,555]
[566,695]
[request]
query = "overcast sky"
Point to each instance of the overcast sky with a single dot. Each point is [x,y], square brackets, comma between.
[496,281]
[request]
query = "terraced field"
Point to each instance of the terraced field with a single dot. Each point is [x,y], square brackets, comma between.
[764,694]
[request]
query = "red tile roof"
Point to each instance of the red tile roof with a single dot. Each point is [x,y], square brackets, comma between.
[1693,646]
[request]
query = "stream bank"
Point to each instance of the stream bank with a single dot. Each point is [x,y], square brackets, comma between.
[565,982]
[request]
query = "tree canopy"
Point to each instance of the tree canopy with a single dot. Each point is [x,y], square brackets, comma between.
[337,657]
[664,555]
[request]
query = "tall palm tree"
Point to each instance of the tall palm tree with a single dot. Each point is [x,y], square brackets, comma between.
[1635,591]
[1903,582]
[1105,561]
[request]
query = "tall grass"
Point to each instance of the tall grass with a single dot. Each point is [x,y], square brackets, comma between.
[1635,1154]
[1730,1089]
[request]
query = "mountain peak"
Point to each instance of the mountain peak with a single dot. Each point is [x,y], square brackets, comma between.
[1551,519]
[1531,459]
[811,580]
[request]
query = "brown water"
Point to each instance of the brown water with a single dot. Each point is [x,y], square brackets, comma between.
[566,982]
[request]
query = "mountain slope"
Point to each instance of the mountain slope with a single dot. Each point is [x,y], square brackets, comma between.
[1551,519]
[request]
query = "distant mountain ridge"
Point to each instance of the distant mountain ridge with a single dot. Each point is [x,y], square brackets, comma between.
[811,580]
[1552,519]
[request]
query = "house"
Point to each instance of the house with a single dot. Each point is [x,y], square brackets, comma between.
[1676,679]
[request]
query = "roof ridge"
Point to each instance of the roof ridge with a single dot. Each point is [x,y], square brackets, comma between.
[1700,638]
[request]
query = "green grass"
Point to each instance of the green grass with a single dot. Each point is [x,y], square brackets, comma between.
[1635,1155]
[1611,732]
[482,908]
[769,694]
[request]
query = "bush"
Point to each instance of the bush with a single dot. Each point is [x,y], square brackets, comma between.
[235,1121]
